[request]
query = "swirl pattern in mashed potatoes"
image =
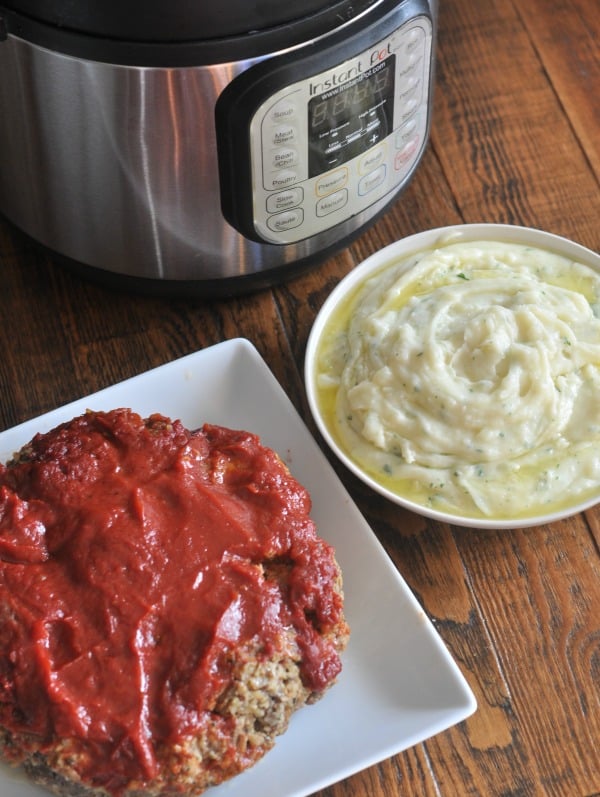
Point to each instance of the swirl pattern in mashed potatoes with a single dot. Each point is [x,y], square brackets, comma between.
[467,379]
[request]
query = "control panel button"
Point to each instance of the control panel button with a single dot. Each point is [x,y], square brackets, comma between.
[284,200]
[282,179]
[405,133]
[287,220]
[372,159]
[334,154]
[404,155]
[331,182]
[409,88]
[284,158]
[414,39]
[333,202]
[283,135]
[409,108]
[283,111]
[372,181]
[411,63]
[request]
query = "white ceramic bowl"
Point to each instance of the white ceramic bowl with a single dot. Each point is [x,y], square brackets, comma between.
[389,256]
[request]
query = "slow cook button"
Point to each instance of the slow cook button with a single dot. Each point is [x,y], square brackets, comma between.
[286,220]
[372,181]
[331,203]
[284,200]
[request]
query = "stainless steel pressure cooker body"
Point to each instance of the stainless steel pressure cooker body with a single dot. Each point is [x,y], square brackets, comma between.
[222,149]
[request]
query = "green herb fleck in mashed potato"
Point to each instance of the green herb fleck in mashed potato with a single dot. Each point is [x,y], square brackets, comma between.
[467,379]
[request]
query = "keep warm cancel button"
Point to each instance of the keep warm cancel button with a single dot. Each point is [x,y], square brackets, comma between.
[333,202]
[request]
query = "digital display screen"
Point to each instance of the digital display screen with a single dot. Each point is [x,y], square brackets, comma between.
[350,119]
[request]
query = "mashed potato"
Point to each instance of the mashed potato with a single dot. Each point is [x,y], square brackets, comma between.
[467,379]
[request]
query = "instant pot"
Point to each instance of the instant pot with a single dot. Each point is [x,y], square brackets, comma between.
[212,146]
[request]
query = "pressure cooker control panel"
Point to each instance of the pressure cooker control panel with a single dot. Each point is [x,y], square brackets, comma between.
[327,147]
[313,136]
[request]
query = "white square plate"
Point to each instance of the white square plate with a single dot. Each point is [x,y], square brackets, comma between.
[399,684]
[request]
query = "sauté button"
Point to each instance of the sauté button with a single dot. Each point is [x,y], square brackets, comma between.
[286,220]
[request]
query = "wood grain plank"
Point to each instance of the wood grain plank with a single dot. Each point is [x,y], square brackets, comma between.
[78,337]
[538,592]
[490,755]
[565,34]
[502,137]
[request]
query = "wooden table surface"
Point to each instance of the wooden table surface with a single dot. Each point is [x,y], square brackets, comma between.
[515,139]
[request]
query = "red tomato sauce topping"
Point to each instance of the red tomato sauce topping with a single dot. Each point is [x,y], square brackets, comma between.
[130,564]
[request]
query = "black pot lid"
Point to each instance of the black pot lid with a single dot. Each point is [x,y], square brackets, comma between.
[175,20]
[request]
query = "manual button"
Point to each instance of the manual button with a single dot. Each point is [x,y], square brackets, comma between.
[287,220]
[333,202]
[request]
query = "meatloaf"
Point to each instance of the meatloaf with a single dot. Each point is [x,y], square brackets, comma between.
[166,604]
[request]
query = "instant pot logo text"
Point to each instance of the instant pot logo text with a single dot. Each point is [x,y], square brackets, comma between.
[340,76]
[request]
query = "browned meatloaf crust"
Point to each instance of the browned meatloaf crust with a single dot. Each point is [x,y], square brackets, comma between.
[165,606]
